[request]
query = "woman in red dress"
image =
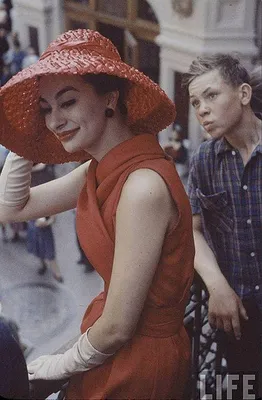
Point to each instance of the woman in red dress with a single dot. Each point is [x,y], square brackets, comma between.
[80,101]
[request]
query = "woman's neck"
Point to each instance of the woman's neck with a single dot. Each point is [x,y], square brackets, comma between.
[115,133]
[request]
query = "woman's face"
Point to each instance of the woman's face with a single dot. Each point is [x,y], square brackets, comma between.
[73,111]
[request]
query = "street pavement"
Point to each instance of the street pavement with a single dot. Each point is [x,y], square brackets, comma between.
[48,313]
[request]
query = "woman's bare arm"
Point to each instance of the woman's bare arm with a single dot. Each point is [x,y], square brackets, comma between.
[49,198]
[143,215]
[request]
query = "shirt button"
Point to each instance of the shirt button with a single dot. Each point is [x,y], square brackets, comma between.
[252,254]
[256,287]
[233,152]
[249,221]
[245,187]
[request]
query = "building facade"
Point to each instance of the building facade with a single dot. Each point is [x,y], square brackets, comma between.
[159,37]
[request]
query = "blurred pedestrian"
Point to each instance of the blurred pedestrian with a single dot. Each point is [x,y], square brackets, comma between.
[4,235]
[4,46]
[6,74]
[83,258]
[14,378]
[30,57]
[3,155]
[225,191]
[3,16]
[40,243]
[18,229]
[256,83]
[133,216]
[40,237]
[8,6]
[17,57]
[177,150]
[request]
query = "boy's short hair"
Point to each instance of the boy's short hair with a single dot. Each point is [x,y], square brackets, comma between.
[230,69]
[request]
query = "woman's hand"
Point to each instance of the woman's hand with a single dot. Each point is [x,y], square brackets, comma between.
[79,358]
[49,367]
[41,222]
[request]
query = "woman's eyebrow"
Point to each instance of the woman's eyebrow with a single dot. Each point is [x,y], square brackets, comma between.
[42,99]
[60,93]
[64,90]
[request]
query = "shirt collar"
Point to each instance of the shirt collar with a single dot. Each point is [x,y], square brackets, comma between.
[258,149]
[222,146]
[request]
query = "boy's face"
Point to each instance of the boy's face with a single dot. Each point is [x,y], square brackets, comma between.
[217,104]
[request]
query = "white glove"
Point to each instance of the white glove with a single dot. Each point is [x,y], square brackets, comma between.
[15,181]
[81,357]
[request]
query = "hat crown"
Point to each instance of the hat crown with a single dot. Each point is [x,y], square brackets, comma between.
[85,40]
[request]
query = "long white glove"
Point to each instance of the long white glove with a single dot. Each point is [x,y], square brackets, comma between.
[15,181]
[81,357]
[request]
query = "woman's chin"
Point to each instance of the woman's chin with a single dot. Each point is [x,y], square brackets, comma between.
[71,149]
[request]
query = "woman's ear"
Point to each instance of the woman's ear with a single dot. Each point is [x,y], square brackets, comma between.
[112,99]
[245,93]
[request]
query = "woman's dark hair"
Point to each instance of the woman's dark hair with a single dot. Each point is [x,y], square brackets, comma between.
[104,83]
[233,73]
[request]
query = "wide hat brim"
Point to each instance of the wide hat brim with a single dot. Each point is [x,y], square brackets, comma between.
[23,128]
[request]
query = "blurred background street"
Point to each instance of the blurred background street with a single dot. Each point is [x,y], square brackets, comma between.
[48,313]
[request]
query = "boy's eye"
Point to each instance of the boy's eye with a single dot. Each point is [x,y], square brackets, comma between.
[212,96]
[195,103]
[68,103]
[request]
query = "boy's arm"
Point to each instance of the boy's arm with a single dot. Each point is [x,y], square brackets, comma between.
[225,308]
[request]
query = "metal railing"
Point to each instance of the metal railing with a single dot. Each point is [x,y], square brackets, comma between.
[207,349]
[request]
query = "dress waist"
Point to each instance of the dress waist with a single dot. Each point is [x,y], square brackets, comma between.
[153,322]
[160,322]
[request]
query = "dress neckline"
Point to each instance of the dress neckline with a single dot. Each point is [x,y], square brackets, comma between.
[138,146]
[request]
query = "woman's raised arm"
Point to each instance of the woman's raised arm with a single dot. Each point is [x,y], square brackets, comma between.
[19,202]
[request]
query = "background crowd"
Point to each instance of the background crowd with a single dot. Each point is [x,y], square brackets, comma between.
[13,58]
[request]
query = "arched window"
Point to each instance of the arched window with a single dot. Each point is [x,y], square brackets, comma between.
[85,2]
[118,8]
[146,12]
[258,27]
[130,24]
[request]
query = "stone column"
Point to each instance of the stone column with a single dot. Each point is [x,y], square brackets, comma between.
[167,83]
[38,14]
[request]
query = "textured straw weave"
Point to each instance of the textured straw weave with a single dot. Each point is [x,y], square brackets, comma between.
[79,52]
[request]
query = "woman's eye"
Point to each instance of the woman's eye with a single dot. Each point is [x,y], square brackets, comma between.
[45,111]
[68,103]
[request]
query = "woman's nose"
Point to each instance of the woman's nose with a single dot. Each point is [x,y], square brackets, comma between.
[56,121]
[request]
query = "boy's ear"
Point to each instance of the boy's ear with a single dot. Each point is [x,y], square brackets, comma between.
[245,93]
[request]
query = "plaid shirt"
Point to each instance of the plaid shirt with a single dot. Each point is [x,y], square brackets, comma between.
[228,196]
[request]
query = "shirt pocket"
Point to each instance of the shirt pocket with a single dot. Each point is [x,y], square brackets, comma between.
[216,210]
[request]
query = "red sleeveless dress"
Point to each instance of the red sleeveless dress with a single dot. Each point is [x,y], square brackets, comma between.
[154,363]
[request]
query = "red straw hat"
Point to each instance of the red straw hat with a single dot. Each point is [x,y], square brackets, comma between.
[79,52]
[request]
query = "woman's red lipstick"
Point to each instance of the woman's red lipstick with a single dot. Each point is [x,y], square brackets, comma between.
[66,135]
